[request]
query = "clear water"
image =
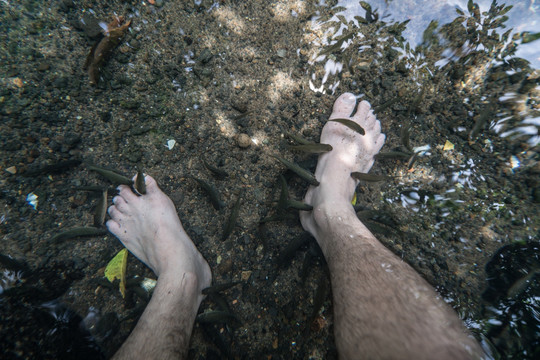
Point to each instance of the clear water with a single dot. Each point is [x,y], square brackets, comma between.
[474,67]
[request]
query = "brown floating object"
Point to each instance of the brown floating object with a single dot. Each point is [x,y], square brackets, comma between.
[99,53]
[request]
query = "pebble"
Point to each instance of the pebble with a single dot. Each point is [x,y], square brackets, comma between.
[12,170]
[243,141]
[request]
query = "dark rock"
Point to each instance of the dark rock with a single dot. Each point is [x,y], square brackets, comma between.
[71,139]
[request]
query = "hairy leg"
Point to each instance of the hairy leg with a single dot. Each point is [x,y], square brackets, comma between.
[149,227]
[383,309]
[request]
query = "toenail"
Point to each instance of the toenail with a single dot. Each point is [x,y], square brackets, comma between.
[350,98]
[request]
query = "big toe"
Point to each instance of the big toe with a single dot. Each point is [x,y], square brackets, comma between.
[344,106]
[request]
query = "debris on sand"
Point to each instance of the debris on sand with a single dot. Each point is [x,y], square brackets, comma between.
[113,34]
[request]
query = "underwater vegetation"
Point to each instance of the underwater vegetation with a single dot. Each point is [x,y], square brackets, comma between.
[512,294]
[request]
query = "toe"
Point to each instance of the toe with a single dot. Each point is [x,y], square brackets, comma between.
[344,106]
[113,226]
[376,130]
[126,193]
[362,113]
[151,184]
[114,213]
[120,203]
[379,142]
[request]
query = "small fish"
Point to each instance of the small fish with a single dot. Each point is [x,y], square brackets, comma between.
[231,223]
[53,168]
[368,177]
[311,148]
[482,120]
[12,264]
[212,317]
[111,175]
[405,137]
[298,205]
[385,105]
[140,184]
[522,284]
[337,45]
[417,100]
[217,172]
[412,160]
[101,209]
[219,287]
[351,125]
[94,188]
[212,193]
[298,139]
[393,155]
[284,194]
[76,232]
[303,173]
[290,250]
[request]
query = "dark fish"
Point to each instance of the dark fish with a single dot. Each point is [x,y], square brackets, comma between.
[386,105]
[101,209]
[405,137]
[392,155]
[292,247]
[212,193]
[482,120]
[53,168]
[298,205]
[76,232]
[231,223]
[522,284]
[368,177]
[12,264]
[351,125]
[412,160]
[311,148]
[298,139]
[218,173]
[337,45]
[417,100]
[219,287]
[94,188]
[303,173]
[284,194]
[318,301]
[213,317]
[111,175]
[140,184]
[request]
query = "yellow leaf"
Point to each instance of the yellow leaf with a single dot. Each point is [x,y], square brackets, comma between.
[116,269]
[353,201]
[448,146]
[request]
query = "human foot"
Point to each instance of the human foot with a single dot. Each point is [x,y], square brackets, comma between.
[149,227]
[351,152]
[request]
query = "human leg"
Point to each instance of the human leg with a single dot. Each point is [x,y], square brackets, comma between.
[149,227]
[382,308]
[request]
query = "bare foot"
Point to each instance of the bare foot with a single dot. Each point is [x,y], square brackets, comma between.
[149,227]
[351,152]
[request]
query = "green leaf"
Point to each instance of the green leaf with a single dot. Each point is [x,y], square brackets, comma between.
[116,269]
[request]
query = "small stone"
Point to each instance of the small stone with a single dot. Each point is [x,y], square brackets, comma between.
[12,170]
[243,141]
[282,53]
[245,275]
